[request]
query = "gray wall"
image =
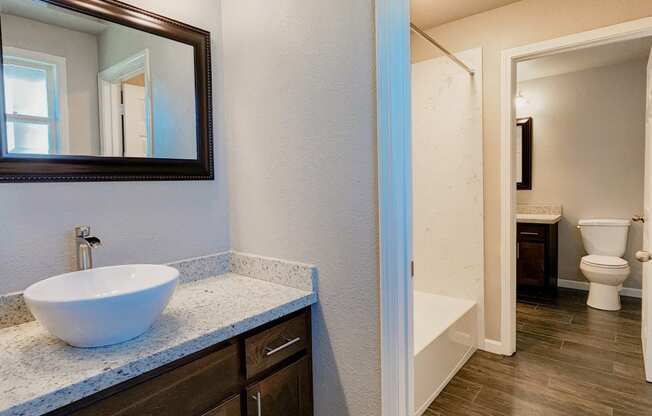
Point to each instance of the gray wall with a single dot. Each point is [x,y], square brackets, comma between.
[138,222]
[589,144]
[172,70]
[302,157]
[80,51]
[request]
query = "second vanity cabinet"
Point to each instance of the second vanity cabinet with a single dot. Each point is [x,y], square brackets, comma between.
[266,371]
[536,254]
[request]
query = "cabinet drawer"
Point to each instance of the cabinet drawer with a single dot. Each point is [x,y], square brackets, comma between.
[191,389]
[275,344]
[531,232]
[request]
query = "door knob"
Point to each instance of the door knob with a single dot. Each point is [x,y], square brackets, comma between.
[643,256]
[638,218]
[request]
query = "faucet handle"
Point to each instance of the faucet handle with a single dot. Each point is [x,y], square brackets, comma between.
[82,231]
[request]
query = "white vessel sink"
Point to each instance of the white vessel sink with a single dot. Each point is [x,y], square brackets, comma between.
[102,306]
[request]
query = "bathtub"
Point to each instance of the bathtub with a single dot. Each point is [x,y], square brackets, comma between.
[445,337]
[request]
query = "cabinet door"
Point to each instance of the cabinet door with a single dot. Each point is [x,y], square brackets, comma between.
[229,408]
[531,263]
[287,392]
[189,390]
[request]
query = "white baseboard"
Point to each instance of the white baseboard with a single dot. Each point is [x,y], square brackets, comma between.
[493,346]
[421,410]
[574,284]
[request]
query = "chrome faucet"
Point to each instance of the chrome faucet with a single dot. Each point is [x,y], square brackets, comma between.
[85,244]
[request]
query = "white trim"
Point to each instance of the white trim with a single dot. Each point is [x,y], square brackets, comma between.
[575,284]
[469,353]
[393,113]
[109,83]
[492,346]
[616,33]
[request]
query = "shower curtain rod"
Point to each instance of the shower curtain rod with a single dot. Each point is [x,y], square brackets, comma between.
[454,58]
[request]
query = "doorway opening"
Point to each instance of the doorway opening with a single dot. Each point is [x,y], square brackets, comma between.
[126,108]
[528,242]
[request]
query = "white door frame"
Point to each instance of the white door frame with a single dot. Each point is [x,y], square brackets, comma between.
[624,31]
[394,124]
[110,105]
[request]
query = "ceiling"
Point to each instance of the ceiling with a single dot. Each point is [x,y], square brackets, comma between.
[430,13]
[582,59]
[46,13]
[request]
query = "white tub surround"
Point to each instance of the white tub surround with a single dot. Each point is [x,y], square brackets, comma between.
[40,373]
[448,203]
[445,337]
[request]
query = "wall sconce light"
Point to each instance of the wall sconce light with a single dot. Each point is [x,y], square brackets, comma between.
[521,101]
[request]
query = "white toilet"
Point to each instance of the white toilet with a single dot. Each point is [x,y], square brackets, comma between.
[605,241]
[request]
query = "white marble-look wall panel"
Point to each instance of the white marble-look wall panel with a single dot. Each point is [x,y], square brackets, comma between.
[448,178]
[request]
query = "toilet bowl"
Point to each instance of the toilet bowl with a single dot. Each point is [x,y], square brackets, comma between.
[606,275]
[605,241]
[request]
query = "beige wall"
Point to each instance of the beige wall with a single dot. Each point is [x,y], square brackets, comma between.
[302,166]
[514,25]
[589,143]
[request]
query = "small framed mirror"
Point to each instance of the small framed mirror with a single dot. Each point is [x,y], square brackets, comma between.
[524,153]
[98,90]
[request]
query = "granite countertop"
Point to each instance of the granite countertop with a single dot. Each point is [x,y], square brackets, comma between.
[538,218]
[40,373]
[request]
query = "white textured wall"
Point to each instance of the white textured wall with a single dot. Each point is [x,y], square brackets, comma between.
[447,178]
[80,51]
[300,96]
[589,144]
[138,222]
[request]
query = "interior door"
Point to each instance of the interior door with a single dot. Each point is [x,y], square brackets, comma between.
[135,121]
[646,324]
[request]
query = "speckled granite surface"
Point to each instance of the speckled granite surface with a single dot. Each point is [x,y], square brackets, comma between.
[535,208]
[13,310]
[298,275]
[198,268]
[39,373]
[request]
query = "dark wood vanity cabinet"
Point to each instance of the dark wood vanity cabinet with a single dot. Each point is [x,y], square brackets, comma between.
[536,264]
[266,371]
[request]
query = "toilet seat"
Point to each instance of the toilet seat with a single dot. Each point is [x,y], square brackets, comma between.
[605,262]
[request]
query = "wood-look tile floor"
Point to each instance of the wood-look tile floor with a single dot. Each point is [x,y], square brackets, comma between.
[570,360]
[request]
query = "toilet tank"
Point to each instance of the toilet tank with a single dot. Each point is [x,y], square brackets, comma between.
[605,237]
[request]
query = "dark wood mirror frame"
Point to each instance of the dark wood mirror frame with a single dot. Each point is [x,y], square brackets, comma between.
[526,177]
[53,168]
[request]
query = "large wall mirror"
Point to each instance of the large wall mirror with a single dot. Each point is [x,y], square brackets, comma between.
[100,90]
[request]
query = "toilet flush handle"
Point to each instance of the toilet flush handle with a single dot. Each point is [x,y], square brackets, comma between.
[643,256]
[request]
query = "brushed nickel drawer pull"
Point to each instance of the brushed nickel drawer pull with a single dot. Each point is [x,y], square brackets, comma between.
[259,401]
[528,233]
[271,351]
